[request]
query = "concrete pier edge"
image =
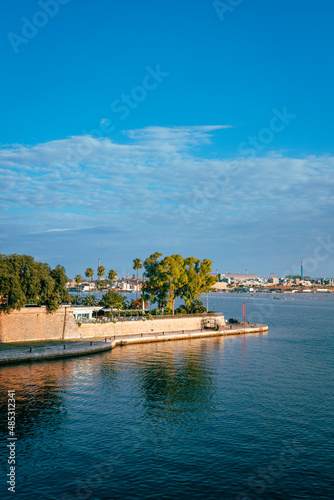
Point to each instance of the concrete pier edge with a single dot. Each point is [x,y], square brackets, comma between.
[60,352]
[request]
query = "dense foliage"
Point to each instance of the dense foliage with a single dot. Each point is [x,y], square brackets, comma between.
[24,281]
[175,277]
[113,300]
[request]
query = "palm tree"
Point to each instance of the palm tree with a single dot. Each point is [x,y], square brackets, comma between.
[100,272]
[137,264]
[89,273]
[90,300]
[112,275]
[78,280]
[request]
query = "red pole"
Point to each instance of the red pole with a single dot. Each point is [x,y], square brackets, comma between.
[244,312]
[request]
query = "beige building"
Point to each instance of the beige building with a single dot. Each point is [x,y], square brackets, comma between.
[219,285]
[273,281]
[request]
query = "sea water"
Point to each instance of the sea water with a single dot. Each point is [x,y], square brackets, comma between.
[240,417]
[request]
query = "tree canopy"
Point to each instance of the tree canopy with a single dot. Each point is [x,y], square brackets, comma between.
[78,280]
[199,280]
[113,299]
[137,264]
[153,290]
[112,275]
[89,273]
[24,281]
[101,271]
[175,277]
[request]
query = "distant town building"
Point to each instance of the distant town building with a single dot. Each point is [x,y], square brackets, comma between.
[219,285]
[273,280]
[241,277]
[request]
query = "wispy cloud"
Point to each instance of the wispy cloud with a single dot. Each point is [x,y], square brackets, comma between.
[52,188]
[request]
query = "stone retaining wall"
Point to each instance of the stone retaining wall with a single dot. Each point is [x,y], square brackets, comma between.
[35,323]
[87,330]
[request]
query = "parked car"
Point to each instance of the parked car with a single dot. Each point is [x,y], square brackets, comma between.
[233,320]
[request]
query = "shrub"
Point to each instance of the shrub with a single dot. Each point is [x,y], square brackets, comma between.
[181,310]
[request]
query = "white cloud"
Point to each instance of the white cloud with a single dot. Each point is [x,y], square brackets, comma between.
[157,179]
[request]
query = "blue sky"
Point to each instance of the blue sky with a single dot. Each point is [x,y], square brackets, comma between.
[194,127]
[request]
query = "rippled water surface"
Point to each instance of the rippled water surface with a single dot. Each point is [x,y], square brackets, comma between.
[243,417]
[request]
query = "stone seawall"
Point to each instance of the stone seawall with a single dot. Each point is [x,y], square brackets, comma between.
[64,350]
[148,326]
[35,323]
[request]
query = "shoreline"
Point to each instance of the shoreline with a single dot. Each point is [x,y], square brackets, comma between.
[58,352]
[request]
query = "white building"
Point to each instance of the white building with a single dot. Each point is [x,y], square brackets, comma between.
[84,312]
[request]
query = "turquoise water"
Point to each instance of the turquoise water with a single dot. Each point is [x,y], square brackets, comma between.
[243,417]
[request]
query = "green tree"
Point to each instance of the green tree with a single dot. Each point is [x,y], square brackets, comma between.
[199,281]
[60,278]
[137,264]
[113,299]
[153,290]
[137,304]
[174,277]
[78,280]
[24,281]
[112,275]
[90,300]
[29,274]
[166,279]
[100,272]
[89,273]
[172,272]
[48,292]
[76,299]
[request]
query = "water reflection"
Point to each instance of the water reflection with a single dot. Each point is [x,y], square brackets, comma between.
[109,374]
[39,395]
[190,419]
[176,383]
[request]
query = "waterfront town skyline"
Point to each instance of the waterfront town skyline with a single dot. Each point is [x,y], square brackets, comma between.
[300,273]
[226,282]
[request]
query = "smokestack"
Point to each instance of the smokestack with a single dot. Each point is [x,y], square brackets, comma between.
[301,269]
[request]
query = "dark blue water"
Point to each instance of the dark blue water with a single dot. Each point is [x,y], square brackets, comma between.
[244,417]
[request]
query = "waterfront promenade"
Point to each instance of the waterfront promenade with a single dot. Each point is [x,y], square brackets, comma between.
[28,352]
